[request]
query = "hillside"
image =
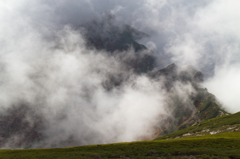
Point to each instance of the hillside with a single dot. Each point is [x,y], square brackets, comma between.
[211,146]
[225,124]
[222,145]
[201,105]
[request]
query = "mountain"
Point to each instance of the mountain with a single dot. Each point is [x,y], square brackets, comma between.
[116,40]
[202,104]
[219,125]
[23,126]
[14,122]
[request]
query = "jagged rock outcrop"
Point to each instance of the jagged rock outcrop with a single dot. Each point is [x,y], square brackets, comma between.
[202,105]
[117,41]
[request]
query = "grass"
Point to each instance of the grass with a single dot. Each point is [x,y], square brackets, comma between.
[210,146]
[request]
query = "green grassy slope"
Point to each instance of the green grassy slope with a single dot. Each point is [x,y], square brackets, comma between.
[225,145]
[225,124]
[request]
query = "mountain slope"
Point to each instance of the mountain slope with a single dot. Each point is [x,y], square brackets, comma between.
[201,105]
[222,145]
[224,124]
[214,146]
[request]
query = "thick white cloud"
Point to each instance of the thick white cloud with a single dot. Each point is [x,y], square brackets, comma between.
[226,86]
[48,67]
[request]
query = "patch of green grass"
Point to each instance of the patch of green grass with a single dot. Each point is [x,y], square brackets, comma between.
[210,146]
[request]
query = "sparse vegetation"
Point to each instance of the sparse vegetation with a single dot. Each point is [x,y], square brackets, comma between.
[210,146]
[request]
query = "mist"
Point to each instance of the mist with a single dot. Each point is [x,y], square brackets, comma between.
[45,64]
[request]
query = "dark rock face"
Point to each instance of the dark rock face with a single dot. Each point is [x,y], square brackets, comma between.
[111,37]
[117,40]
[173,73]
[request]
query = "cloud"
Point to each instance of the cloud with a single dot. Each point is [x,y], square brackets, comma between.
[211,43]
[225,85]
[203,34]
[62,82]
